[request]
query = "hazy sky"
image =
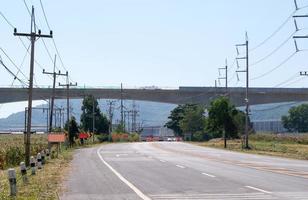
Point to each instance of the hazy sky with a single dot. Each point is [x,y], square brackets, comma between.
[166,43]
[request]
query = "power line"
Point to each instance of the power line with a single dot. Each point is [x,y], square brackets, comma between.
[44,43]
[9,58]
[288,80]
[53,40]
[274,33]
[274,51]
[7,21]
[12,73]
[275,68]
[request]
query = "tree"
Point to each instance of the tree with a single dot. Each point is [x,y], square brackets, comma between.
[86,119]
[74,130]
[176,116]
[194,122]
[297,119]
[223,118]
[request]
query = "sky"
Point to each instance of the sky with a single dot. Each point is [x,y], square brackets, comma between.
[165,43]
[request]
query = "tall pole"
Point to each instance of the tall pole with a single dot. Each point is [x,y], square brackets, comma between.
[226,80]
[54,74]
[110,112]
[93,118]
[33,37]
[247,89]
[247,97]
[67,85]
[122,111]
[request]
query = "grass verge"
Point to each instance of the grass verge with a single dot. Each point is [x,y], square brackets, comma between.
[44,185]
[288,146]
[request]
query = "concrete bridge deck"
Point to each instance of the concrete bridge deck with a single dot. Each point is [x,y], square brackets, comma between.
[202,95]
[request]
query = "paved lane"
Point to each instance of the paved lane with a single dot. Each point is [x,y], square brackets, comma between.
[183,171]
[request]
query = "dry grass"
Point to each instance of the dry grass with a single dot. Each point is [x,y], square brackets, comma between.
[45,185]
[289,146]
[12,148]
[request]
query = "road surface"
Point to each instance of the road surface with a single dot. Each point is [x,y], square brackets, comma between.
[171,170]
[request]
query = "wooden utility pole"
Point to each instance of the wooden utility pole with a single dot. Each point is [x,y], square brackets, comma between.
[33,38]
[54,74]
[68,85]
[110,113]
[122,109]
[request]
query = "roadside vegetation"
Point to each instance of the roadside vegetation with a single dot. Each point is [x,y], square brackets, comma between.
[206,126]
[12,150]
[45,185]
[293,146]
[203,123]
[296,120]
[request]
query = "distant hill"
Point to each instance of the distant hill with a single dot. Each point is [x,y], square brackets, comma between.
[151,113]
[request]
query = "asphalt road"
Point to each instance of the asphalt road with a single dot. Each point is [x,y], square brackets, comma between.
[169,170]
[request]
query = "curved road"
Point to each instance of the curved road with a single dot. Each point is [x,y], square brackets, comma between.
[182,171]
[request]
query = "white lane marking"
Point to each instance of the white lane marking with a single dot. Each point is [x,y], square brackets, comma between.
[180,166]
[258,189]
[118,155]
[162,160]
[209,175]
[134,188]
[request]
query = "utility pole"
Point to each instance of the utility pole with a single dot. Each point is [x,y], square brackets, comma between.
[110,113]
[134,117]
[93,118]
[68,85]
[33,38]
[247,87]
[122,110]
[54,74]
[226,75]
[226,80]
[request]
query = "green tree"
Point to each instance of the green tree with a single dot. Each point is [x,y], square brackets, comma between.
[86,119]
[222,119]
[297,119]
[194,122]
[74,130]
[176,116]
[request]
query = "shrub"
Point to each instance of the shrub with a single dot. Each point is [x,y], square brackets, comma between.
[134,137]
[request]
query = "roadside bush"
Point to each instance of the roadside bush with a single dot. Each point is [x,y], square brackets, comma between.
[125,137]
[134,137]
[198,136]
[119,137]
[103,138]
[282,138]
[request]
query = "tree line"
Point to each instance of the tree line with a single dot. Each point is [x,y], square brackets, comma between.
[220,118]
[90,108]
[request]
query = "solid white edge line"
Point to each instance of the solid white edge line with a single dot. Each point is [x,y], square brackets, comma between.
[180,166]
[134,188]
[258,189]
[209,175]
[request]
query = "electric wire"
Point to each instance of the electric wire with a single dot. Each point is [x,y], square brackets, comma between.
[9,58]
[288,80]
[274,51]
[275,68]
[53,40]
[274,33]
[12,73]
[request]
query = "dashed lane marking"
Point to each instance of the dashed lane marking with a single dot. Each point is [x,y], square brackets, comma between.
[129,184]
[258,189]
